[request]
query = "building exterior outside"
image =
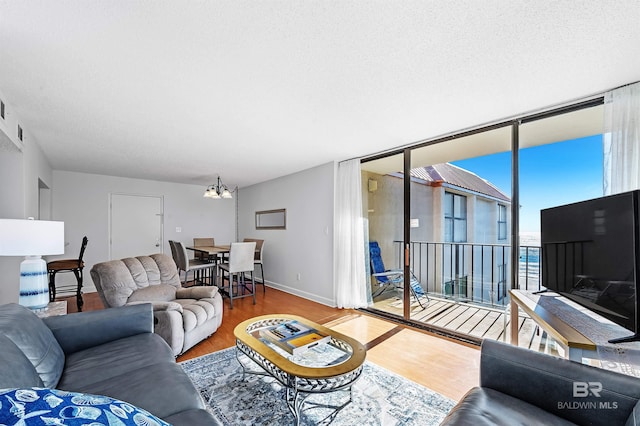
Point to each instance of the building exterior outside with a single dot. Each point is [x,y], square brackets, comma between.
[459,221]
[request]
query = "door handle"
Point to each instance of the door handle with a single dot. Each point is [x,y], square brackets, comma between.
[406,255]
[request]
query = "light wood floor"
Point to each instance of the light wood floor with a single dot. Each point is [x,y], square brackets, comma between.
[443,365]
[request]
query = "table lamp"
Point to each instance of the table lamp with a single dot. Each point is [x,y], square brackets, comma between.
[32,239]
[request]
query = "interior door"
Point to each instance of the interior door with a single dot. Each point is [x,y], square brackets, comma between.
[136,225]
[44,201]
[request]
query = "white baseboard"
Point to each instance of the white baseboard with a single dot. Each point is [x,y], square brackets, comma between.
[287,289]
[303,294]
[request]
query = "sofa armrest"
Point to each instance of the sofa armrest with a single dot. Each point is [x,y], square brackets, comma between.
[634,418]
[75,332]
[160,306]
[559,385]
[196,292]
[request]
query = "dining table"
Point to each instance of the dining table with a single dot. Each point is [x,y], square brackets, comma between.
[212,251]
[214,254]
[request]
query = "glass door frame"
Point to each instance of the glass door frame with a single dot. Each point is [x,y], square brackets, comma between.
[515,124]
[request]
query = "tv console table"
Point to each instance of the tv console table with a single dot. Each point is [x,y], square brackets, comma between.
[579,331]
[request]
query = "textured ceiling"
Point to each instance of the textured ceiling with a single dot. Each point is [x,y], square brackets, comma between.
[184,90]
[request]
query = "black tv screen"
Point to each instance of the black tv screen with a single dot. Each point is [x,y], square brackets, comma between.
[590,255]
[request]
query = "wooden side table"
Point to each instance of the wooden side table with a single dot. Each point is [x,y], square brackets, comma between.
[52,309]
[580,332]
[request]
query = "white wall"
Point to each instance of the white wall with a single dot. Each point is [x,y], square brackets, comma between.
[11,207]
[385,214]
[36,167]
[81,200]
[11,185]
[21,165]
[306,246]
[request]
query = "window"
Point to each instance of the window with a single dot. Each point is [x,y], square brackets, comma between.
[455,218]
[502,222]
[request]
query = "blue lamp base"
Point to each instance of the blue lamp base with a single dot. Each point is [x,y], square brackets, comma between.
[34,285]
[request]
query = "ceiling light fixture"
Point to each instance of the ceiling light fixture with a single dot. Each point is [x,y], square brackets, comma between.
[218,191]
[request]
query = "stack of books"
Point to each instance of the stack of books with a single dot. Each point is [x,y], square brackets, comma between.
[294,337]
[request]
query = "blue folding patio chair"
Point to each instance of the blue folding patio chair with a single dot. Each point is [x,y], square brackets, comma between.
[392,279]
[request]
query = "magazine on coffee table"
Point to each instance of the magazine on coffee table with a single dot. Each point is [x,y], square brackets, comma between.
[294,337]
[321,356]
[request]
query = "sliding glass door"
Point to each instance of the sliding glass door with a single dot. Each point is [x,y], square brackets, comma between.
[561,162]
[383,202]
[455,217]
[457,248]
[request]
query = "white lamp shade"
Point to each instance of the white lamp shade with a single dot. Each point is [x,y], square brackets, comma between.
[21,237]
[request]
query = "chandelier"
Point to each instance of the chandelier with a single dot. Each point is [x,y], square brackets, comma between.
[217,191]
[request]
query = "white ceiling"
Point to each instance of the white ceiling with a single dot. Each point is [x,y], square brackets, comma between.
[184,90]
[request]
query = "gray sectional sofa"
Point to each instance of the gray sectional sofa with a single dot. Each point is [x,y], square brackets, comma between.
[523,387]
[112,352]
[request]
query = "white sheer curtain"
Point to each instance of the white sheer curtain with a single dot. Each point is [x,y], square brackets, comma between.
[351,279]
[621,139]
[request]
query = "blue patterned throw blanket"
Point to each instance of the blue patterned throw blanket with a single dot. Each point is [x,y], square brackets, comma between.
[42,406]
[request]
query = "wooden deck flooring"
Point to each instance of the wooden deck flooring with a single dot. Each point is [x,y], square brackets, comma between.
[473,320]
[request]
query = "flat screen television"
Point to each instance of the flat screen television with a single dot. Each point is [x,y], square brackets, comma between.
[590,254]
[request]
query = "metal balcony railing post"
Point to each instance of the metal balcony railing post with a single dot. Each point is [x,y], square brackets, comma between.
[424,263]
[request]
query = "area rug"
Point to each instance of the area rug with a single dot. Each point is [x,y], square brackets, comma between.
[380,397]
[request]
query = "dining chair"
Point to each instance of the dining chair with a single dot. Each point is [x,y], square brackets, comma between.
[257,260]
[68,265]
[207,242]
[241,261]
[191,265]
[174,252]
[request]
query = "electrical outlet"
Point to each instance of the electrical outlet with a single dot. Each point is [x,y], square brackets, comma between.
[178,229]
[298,277]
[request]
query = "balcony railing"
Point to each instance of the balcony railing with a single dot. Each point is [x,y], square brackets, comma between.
[471,272]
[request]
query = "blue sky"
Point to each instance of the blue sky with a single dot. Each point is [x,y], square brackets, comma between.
[550,175]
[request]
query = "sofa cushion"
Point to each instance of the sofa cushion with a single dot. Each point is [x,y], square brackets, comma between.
[35,406]
[162,389]
[634,417]
[197,292]
[113,359]
[485,406]
[139,369]
[35,340]
[117,280]
[153,293]
[114,282]
[196,312]
[550,384]
[16,371]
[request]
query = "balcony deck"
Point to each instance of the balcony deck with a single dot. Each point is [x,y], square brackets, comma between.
[472,319]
